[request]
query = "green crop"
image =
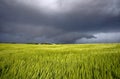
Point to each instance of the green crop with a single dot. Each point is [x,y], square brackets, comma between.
[60,61]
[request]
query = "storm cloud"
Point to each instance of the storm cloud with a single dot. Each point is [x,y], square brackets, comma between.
[59,21]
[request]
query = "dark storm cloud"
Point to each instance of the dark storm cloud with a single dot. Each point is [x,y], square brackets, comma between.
[72,37]
[57,21]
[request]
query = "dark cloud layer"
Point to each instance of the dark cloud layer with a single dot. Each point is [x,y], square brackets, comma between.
[59,21]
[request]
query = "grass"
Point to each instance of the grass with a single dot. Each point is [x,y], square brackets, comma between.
[73,61]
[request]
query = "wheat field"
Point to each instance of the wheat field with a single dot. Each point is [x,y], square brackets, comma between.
[60,61]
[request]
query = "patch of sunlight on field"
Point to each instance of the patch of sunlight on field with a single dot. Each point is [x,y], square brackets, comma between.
[60,61]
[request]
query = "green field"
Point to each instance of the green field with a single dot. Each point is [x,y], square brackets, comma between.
[62,61]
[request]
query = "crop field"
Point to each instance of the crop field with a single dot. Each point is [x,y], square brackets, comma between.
[60,61]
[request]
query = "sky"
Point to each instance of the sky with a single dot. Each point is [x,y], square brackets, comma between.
[60,21]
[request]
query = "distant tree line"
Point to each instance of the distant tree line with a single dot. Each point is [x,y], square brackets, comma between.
[28,43]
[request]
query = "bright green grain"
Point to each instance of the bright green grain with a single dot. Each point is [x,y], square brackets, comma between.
[73,61]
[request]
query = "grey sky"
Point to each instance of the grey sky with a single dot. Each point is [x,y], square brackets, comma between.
[59,21]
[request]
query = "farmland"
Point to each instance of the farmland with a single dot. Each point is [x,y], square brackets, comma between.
[60,61]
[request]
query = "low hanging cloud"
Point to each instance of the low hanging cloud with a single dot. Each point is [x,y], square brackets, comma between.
[102,38]
[59,21]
